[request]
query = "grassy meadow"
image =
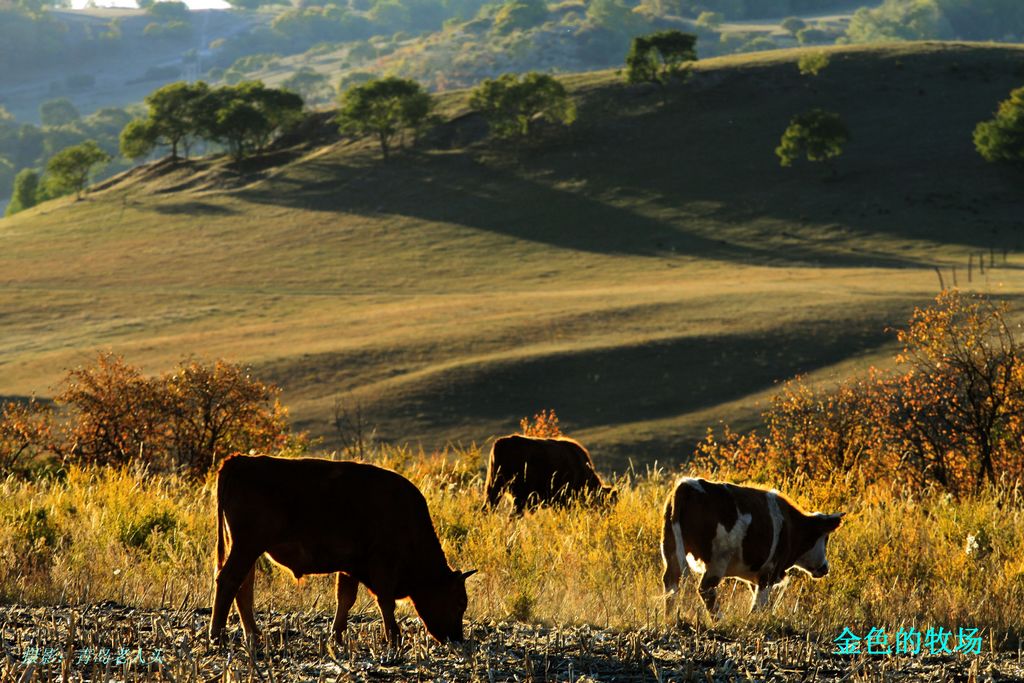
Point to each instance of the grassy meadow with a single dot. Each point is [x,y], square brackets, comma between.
[901,558]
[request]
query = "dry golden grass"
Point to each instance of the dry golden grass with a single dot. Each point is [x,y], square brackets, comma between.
[901,558]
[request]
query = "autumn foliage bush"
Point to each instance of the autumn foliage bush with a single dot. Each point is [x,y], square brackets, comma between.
[950,413]
[544,425]
[185,421]
[26,434]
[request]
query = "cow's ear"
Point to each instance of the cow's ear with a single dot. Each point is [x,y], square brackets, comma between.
[466,575]
[833,521]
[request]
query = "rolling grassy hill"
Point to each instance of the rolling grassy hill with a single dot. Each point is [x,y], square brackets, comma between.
[653,273]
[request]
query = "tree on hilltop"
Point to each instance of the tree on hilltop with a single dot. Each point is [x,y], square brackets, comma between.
[812,63]
[384,107]
[513,104]
[172,120]
[26,191]
[818,135]
[1002,137]
[660,57]
[245,117]
[68,170]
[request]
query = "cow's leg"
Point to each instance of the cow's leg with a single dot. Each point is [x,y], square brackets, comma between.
[347,589]
[519,501]
[760,597]
[673,570]
[708,592]
[229,581]
[767,589]
[244,604]
[387,613]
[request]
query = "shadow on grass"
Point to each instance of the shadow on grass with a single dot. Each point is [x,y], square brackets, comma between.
[193,208]
[715,144]
[624,384]
[608,387]
[458,189]
[699,176]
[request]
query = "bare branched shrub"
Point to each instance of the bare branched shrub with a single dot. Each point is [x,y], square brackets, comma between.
[355,433]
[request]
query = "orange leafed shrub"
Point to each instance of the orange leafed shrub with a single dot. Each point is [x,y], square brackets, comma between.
[219,409]
[544,425]
[951,412]
[26,435]
[187,420]
[115,412]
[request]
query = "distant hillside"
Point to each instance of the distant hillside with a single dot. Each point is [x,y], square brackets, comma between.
[654,273]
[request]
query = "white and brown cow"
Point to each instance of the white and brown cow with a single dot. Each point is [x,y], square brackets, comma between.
[723,530]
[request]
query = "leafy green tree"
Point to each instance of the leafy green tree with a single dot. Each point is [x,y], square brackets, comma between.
[169,10]
[513,104]
[520,14]
[172,120]
[660,57]
[245,117]
[819,135]
[384,107]
[58,112]
[239,124]
[69,169]
[26,192]
[793,25]
[138,138]
[1002,137]
[900,20]
[812,63]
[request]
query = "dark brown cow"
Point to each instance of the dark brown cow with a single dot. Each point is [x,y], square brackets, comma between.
[721,530]
[313,516]
[537,471]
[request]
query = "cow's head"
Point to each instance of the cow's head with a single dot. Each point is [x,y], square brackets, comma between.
[815,533]
[442,605]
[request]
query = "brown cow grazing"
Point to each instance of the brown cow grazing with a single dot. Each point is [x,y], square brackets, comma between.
[722,530]
[536,471]
[313,516]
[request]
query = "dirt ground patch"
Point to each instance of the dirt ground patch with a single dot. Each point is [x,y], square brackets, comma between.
[111,642]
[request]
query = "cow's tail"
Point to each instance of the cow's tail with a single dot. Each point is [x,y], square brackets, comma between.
[668,545]
[220,521]
[492,487]
[673,551]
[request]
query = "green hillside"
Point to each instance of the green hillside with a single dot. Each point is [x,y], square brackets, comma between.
[654,273]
